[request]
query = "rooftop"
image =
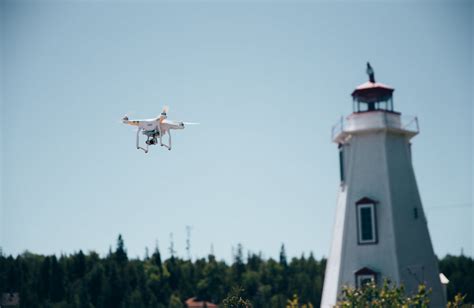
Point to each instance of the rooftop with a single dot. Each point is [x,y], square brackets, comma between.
[371,92]
[193,302]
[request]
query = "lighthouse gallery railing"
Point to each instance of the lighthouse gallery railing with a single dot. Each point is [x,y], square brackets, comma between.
[407,123]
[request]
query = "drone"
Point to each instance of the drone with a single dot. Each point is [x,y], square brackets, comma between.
[155,129]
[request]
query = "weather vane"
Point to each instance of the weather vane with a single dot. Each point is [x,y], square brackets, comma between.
[370,72]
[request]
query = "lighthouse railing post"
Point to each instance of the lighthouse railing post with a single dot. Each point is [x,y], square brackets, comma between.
[410,123]
[333,131]
[337,128]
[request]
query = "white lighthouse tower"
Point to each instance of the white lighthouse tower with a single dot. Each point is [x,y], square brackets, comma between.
[380,229]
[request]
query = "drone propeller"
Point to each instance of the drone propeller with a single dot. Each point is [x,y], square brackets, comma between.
[165,109]
[190,123]
[128,113]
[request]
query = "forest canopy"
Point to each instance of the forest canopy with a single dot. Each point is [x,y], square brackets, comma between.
[88,280]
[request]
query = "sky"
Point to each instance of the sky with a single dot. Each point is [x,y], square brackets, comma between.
[267,81]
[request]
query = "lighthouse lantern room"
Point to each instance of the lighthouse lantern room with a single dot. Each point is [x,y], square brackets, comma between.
[372,95]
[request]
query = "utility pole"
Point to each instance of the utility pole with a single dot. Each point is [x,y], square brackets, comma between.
[188,241]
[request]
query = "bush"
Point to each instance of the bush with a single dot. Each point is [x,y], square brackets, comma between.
[389,295]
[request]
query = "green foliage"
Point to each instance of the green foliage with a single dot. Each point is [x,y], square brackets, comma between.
[283,261]
[460,272]
[88,280]
[235,300]
[295,303]
[120,253]
[175,302]
[389,295]
[457,302]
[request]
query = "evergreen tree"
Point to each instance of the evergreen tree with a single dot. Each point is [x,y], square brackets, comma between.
[156,258]
[283,261]
[174,272]
[238,267]
[57,281]
[254,261]
[95,282]
[120,252]
[44,281]
[3,274]
[135,300]
[115,290]
[79,265]
[12,275]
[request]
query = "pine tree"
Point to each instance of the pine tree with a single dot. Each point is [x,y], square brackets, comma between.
[283,261]
[115,291]
[95,281]
[44,283]
[238,267]
[57,281]
[79,265]
[156,257]
[120,252]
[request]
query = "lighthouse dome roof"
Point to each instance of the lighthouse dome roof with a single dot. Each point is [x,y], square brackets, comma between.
[371,92]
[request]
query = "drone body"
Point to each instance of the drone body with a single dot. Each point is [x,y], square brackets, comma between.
[155,129]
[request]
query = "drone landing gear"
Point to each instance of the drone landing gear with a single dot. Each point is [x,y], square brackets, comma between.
[168,146]
[152,140]
[138,142]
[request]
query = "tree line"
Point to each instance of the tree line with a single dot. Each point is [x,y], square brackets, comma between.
[87,280]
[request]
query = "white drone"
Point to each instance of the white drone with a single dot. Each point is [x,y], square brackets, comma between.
[155,129]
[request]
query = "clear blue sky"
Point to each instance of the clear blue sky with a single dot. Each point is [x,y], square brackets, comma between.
[267,82]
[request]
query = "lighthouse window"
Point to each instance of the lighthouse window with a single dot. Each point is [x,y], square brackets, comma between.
[341,162]
[364,276]
[364,279]
[366,223]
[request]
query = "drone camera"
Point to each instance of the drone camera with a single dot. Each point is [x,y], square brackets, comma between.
[151,142]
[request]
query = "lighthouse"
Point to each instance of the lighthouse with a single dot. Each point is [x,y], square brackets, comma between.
[380,228]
